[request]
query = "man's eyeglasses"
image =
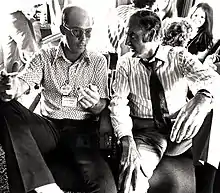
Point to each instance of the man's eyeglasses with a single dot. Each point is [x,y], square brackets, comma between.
[79,32]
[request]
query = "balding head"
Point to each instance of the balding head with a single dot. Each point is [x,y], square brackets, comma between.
[76,29]
[77,17]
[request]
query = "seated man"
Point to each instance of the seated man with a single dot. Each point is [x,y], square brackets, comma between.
[149,109]
[75,91]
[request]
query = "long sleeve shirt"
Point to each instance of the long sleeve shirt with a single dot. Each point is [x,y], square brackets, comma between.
[177,70]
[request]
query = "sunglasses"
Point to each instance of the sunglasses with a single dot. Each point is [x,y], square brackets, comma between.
[79,32]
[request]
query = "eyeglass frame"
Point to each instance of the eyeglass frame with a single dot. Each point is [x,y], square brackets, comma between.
[81,30]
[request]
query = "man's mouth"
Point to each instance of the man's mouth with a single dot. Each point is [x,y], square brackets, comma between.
[131,48]
[82,46]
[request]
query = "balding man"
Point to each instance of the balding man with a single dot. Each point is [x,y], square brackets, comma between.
[75,92]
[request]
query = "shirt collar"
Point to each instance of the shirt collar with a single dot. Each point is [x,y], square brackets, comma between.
[60,54]
[160,56]
[162,53]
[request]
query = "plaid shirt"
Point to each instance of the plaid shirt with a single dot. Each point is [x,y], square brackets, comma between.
[51,69]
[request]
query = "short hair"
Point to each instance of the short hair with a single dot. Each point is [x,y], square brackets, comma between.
[176,31]
[148,20]
[144,3]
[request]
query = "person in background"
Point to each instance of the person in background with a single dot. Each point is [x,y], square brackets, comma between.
[165,8]
[202,40]
[19,42]
[177,32]
[213,59]
[155,117]
[75,92]
[118,19]
[55,8]
[184,6]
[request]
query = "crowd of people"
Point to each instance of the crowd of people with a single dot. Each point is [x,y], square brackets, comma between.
[161,58]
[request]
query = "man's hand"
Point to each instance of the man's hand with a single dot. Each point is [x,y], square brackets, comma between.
[190,118]
[129,165]
[210,59]
[8,86]
[89,97]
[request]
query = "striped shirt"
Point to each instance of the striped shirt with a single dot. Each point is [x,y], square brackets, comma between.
[51,69]
[177,70]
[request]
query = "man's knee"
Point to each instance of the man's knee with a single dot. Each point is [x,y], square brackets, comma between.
[11,108]
[100,176]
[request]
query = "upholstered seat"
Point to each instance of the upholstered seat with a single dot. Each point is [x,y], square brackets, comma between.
[173,174]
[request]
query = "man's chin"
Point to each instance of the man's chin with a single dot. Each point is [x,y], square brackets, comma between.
[135,55]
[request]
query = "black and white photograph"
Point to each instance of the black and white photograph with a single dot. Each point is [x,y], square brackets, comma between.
[109,96]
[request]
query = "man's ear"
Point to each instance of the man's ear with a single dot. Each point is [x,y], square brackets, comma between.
[149,36]
[62,29]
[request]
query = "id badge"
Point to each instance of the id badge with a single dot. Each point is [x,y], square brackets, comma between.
[69,101]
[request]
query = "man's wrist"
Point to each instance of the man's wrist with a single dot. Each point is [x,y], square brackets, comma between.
[98,107]
[126,140]
[94,105]
[206,94]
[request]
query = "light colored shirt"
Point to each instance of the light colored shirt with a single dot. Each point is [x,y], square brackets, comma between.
[177,70]
[51,69]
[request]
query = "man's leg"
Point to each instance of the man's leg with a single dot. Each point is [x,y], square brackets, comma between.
[96,172]
[84,151]
[24,136]
[205,178]
[151,146]
[200,145]
[205,173]
[150,157]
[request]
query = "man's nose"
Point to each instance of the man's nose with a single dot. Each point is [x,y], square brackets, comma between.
[83,36]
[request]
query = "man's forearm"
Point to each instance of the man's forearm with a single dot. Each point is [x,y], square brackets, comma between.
[97,109]
[120,117]
[125,140]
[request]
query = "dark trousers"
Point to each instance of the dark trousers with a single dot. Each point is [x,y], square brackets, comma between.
[27,138]
[205,178]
